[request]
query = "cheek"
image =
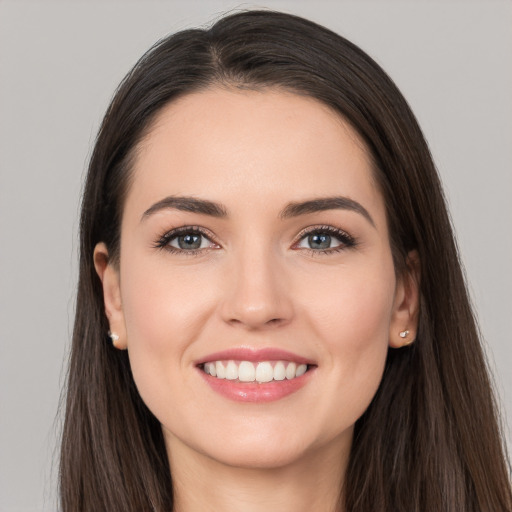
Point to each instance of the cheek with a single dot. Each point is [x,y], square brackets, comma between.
[350,319]
[351,308]
[166,308]
[162,305]
[161,308]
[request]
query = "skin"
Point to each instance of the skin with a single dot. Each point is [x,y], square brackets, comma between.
[256,283]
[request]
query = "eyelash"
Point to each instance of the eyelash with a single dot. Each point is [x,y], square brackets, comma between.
[164,241]
[347,241]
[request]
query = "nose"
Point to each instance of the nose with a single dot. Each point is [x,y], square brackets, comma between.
[257,295]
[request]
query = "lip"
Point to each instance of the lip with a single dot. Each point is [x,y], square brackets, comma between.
[254,392]
[255,355]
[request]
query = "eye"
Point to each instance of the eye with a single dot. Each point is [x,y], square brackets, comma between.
[189,241]
[186,240]
[319,241]
[325,239]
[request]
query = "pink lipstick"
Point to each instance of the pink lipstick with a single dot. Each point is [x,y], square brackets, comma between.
[255,375]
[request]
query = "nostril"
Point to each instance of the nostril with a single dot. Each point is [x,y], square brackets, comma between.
[254,323]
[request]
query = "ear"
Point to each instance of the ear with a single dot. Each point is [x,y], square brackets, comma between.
[111,295]
[404,320]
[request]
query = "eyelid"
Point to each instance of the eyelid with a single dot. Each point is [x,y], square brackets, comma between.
[164,241]
[346,240]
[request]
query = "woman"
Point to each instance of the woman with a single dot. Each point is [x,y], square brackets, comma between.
[271,313]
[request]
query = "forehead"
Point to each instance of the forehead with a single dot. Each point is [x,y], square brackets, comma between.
[267,145]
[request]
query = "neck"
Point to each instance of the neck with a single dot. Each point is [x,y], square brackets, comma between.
[312,483]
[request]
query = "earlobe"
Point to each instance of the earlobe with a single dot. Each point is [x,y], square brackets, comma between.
[404,322]
[109,277]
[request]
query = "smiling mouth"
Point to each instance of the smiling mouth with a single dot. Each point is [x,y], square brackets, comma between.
[260,372]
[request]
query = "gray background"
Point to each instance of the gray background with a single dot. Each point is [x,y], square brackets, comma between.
[60,63]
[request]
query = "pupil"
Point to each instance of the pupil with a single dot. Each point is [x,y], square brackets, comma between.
[189,241]
[319,241]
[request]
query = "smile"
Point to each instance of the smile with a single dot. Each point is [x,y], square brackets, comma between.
[248,371]
[255,375]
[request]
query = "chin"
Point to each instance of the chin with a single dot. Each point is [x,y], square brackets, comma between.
[254,456]
[269,446]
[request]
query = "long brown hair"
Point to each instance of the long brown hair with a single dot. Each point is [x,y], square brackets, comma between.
[430,440]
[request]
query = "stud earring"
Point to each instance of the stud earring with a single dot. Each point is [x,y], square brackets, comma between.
[114,337]
[403,335]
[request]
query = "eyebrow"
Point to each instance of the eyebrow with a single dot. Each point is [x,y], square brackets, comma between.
[294,209]
[325,203]
[187,204]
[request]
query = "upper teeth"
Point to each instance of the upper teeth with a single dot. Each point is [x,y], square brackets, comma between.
[246,371]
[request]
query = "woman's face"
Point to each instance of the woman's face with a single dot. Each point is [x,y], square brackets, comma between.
[254,246]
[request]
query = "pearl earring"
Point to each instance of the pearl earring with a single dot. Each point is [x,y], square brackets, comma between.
[114,337]
[403,335]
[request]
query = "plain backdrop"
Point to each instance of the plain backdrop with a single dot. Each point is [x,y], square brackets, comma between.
[59,65]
